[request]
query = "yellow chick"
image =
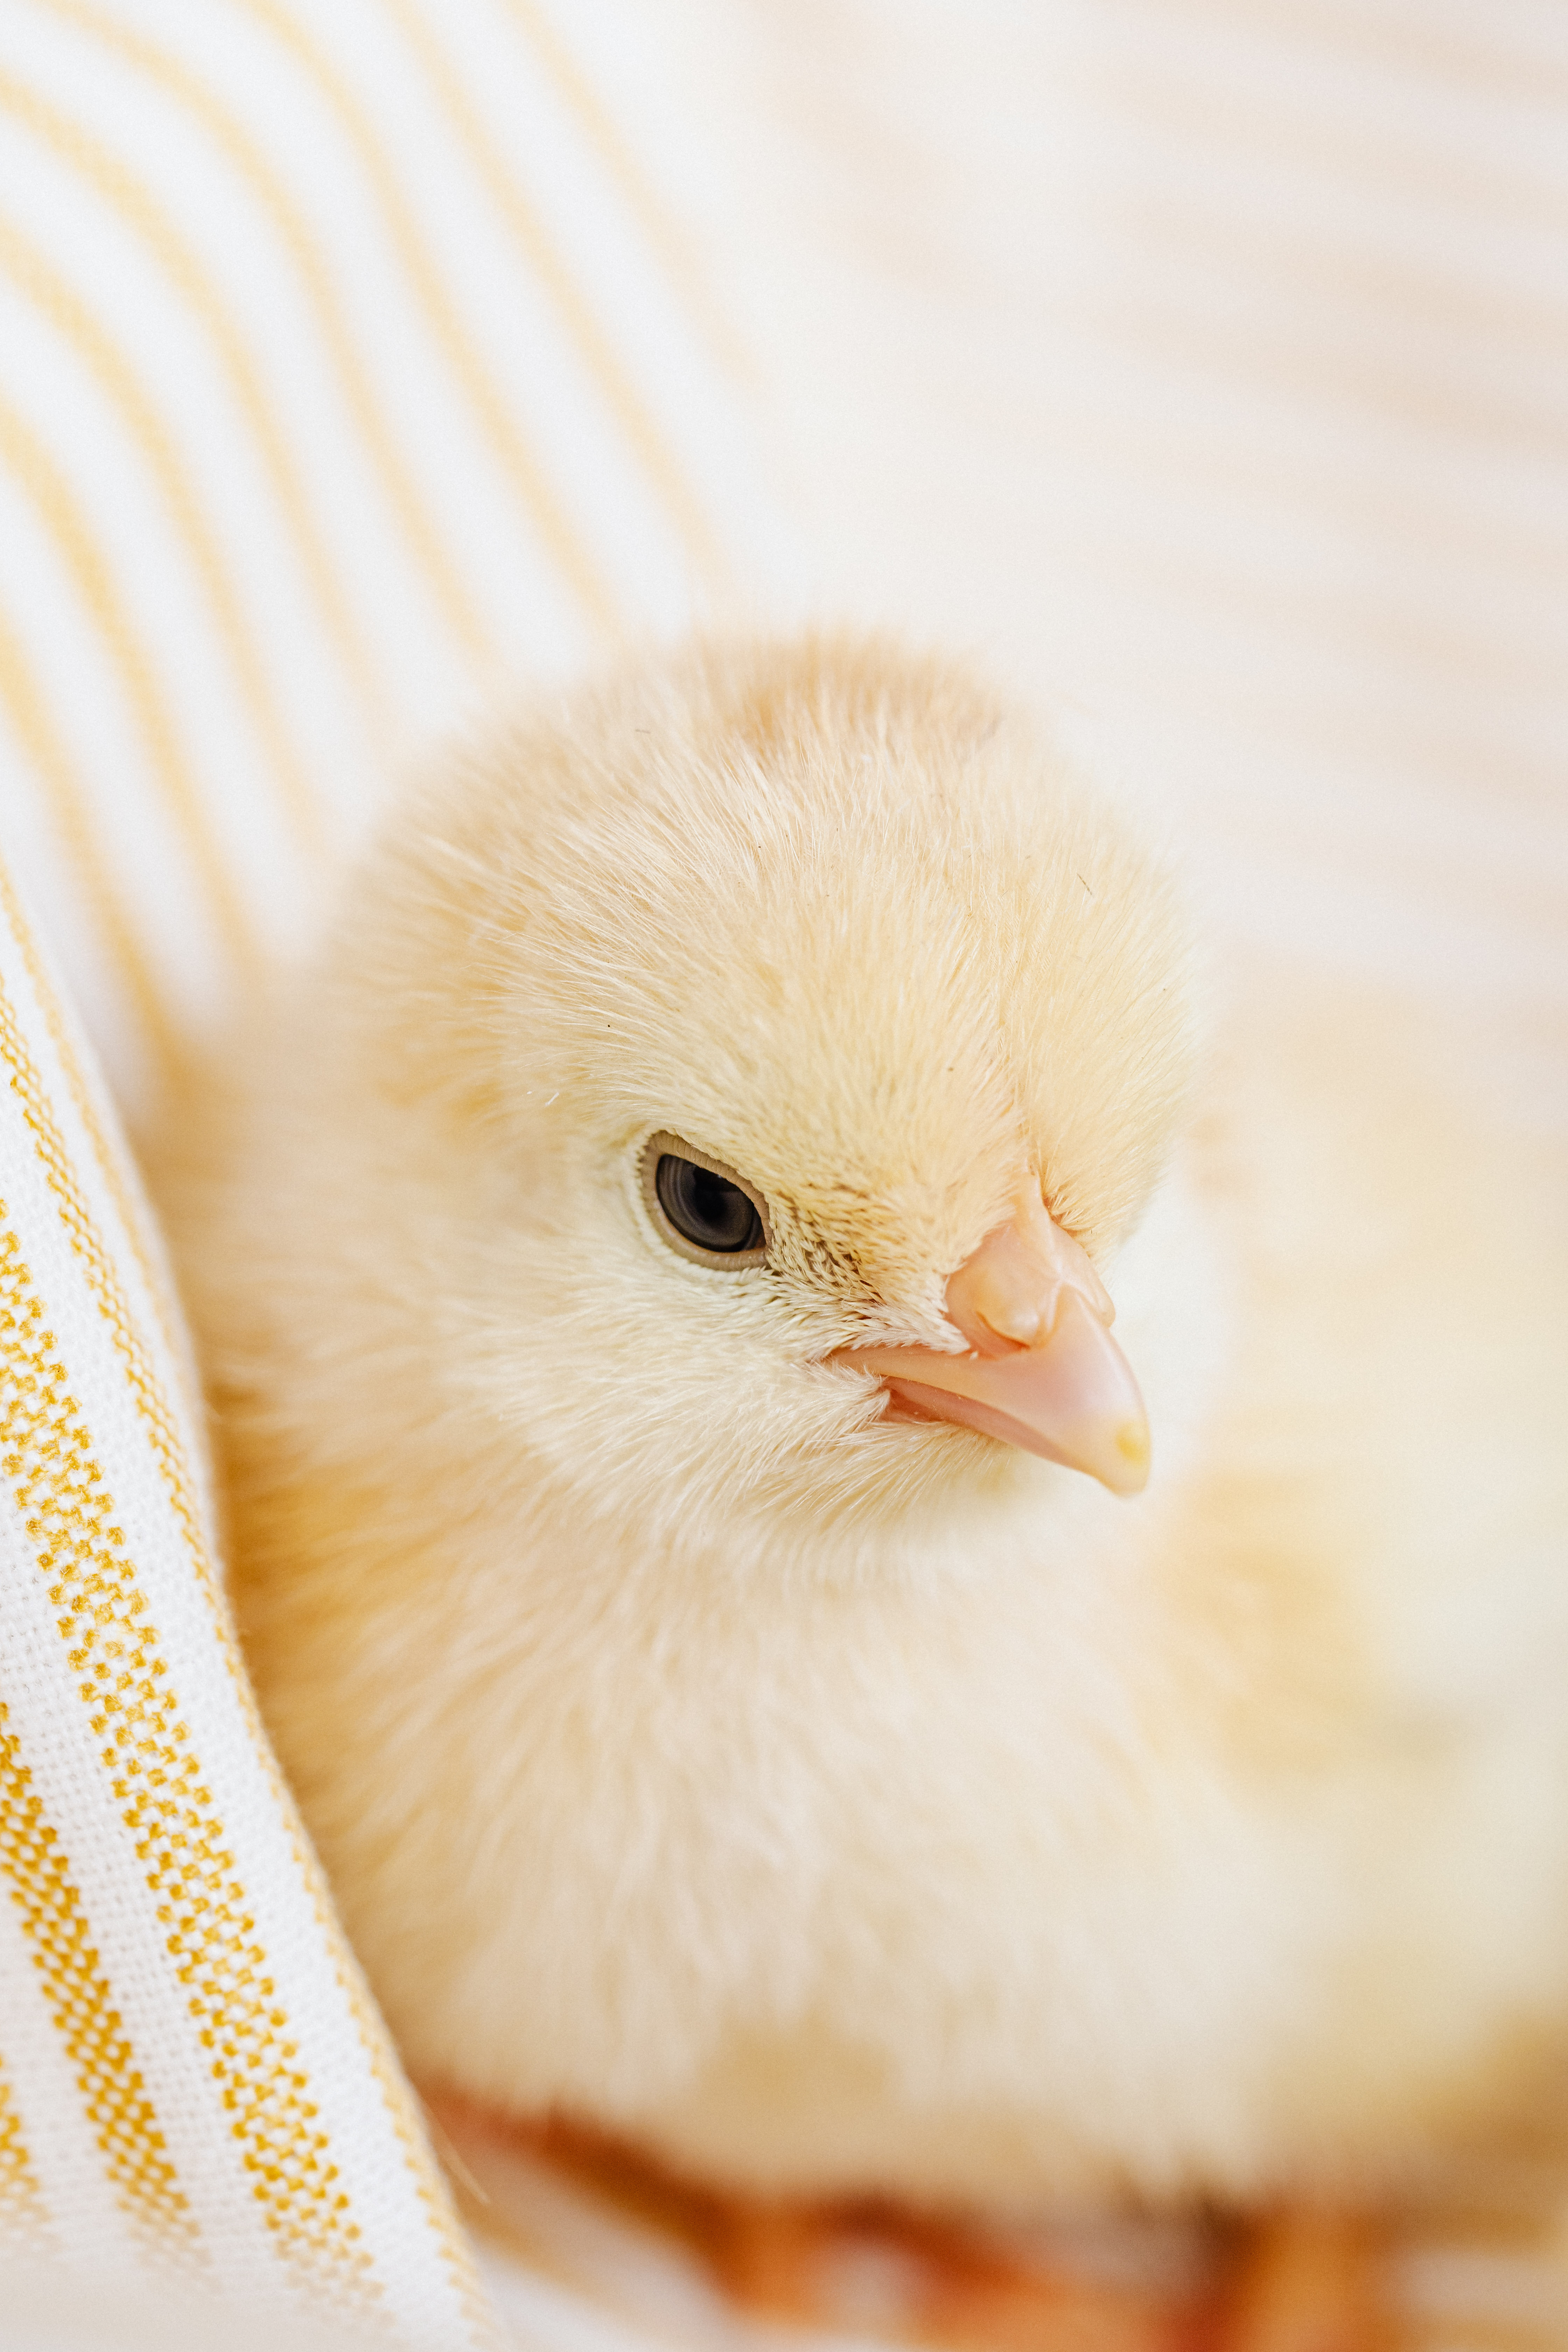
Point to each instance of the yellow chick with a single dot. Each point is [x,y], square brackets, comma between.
[692,1514]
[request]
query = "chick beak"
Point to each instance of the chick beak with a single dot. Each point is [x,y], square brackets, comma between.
[1042,1371]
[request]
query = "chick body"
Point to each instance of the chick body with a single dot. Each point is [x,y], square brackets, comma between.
[829,1801]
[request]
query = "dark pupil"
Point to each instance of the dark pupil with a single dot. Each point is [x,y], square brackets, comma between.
[706,1209]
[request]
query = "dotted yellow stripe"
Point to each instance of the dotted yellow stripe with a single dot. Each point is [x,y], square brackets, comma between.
[82,2003]
[23,2213]
[76,1217]
[108,1157]
[456,2257]
[27,1084]
[63,1499]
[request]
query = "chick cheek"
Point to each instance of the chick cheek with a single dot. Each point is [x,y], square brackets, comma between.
[1042,1372]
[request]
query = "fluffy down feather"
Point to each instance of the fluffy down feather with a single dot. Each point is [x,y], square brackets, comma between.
[832,1801]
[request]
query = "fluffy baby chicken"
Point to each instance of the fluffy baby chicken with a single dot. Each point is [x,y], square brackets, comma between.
[692,1516]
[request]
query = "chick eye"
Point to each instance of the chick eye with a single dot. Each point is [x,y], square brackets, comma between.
[707,1209]
[707,1212]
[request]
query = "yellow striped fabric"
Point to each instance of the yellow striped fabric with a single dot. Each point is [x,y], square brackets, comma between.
[351,359]
[193,2079]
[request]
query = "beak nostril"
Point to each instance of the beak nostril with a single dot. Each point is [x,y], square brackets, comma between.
[1043,1371]
[1008,1293]
[1013,1319]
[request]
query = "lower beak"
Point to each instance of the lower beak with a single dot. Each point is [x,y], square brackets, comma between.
[1042,1370]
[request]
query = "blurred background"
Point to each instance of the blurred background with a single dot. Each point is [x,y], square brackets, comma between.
[1204,367]
[1207,366]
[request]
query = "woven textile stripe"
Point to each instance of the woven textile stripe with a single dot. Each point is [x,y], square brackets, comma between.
[84,1239]
[171,1460]
[115,1650]
[114,2095]
[218,1896]
[133,1217]
[77,2210]
[22,2211]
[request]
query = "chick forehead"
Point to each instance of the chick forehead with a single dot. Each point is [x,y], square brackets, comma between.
[829,914]
[832,1014]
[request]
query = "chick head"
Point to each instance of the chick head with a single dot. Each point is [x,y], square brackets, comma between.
[828,928]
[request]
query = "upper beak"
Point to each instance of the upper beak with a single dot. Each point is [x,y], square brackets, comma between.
[1042,1371]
